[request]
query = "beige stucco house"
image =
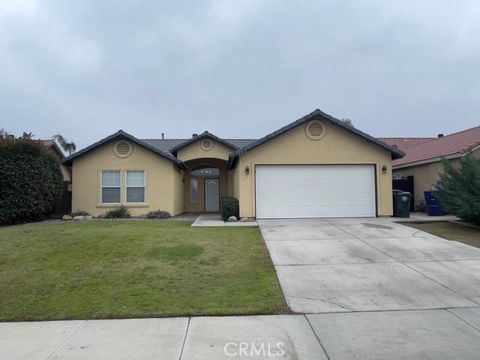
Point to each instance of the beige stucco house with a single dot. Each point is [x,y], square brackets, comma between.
[314,167]
[423,158]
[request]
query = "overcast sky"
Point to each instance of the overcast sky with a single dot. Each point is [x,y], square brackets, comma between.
[237,68]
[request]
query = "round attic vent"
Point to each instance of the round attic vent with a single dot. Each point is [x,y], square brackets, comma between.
[315,130]
[207,144]
[123,149]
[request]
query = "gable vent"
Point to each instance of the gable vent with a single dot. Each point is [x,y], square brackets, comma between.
[207,144]
[315,130]
[123,149]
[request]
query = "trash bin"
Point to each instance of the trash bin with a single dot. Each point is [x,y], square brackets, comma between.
[401,203]
[433,204]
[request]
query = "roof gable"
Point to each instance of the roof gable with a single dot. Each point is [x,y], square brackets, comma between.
[120,134]
[204,135]
[320,115]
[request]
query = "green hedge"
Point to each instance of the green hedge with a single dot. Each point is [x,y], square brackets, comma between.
[30,181]
[229,207]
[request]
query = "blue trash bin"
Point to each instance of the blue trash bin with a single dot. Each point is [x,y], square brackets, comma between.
[433,204]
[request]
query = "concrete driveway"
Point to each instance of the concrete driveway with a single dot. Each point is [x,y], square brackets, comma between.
[344,265]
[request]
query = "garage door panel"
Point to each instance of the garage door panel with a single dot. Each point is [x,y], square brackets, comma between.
[302,191]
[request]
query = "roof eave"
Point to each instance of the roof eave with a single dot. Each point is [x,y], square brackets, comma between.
[121,134]
[202,136]
[396,153]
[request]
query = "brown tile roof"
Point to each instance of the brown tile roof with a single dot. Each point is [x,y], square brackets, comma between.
[405,142]
[456,144]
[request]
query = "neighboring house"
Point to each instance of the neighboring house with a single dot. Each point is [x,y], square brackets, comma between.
[315,167]
[53,147]
[423,158]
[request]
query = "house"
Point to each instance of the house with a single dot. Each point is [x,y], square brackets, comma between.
[316,166]
[53,147]
[423,157]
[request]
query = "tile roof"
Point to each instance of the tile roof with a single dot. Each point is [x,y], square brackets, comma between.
[123,135]
[167,145]
[456,144]
[405,142]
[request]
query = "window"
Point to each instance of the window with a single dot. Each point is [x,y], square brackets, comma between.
[194,191]
[110,187]
[135,186]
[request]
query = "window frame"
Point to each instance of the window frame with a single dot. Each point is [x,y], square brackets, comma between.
[110,187]
[144,186]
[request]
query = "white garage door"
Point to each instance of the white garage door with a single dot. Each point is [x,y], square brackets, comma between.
[305,191]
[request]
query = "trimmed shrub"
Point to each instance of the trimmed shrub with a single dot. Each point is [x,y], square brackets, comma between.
[459,189]
[158,214]
[119,213]
[30,181]
[229,207]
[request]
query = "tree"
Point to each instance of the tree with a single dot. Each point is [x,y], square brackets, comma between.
[69,147]
[459,189]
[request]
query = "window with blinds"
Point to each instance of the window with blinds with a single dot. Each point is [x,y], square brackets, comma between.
[135,183]
[111,186]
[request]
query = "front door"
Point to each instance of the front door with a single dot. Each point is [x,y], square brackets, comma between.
[212,195]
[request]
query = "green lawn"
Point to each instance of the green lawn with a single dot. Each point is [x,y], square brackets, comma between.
[469,235]
[123,269]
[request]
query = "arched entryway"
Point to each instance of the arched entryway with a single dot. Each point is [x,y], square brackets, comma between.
[206,181]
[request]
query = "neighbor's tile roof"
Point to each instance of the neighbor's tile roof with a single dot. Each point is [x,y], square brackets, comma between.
[405,142]
[450,145]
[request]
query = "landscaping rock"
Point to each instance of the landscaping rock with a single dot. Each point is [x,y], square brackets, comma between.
[79,217]
[67,217]
[88,217]
[232,219]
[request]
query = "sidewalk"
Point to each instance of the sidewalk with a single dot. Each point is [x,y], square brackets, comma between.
[214,220]
[426,334]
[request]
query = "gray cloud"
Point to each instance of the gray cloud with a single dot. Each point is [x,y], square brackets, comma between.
[237,68]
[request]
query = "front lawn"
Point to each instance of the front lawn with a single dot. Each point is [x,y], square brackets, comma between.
[123,269]
[469,235]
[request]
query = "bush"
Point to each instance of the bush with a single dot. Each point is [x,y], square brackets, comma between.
[158,214]
[30,181]
[229,207]
[119,213]
[459,189]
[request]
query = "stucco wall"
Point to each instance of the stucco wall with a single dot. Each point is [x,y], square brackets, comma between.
[337,147]
[426,176]
[195,151]
[178,199]
[66,173]
[162,178]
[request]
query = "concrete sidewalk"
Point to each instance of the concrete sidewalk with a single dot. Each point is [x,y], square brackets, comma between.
[425,334]
[215,220]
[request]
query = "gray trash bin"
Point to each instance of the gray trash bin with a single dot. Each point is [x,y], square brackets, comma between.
[401,203]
